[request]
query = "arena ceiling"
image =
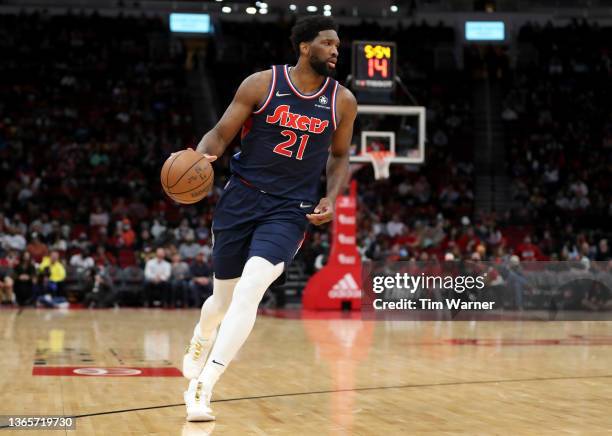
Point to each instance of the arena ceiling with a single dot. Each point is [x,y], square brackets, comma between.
[378,8]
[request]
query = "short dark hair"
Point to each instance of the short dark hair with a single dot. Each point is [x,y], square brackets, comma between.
[307,29]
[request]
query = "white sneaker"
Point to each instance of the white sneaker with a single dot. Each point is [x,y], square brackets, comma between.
[197,401]
[196,354]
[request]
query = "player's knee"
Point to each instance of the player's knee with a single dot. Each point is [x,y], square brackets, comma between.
[223,292]
[258,268]
[257,276]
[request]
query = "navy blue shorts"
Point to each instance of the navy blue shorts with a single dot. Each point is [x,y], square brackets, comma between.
[248,222]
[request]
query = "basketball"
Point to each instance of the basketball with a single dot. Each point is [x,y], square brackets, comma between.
[187,176]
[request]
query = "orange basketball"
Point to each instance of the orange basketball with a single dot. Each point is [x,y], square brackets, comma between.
[187,176]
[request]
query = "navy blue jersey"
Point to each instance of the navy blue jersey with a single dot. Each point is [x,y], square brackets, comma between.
[286,142]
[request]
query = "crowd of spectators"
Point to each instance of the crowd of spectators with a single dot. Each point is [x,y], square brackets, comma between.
[558,125]
[90,106]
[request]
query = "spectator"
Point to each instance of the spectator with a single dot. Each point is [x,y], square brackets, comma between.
[158,229]
[184,232]
[128,236]
[145,255]
[99,218]
[104,257]
[395,227]
[202,231]
[14,240]
[20,227]
[82,243]
[59,243]
[7,295]
[157,280]
[42,225]
[144,241]
[468,242]
[517,282]
[103,292]
[603,251]
[53,273]
[179,280]
[82,261]
[189,248]
[528,251]
[25,277]
[37,248]
[200,286]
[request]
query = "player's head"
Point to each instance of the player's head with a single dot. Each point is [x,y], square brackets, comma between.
[315,39]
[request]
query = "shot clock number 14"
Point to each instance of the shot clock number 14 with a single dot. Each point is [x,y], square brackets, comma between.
[374,65]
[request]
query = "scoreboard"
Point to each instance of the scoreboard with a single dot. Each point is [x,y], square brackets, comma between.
[373,66]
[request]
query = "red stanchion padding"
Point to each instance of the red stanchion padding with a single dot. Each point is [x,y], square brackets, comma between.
[338,283]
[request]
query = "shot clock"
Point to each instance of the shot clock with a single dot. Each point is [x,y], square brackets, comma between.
[373,66]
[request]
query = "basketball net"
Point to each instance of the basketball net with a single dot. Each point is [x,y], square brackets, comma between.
[381,161]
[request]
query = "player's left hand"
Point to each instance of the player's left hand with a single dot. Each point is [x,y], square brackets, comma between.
[209,157]
[323,213]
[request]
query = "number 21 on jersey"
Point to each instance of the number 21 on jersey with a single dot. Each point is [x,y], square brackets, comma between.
[283,147]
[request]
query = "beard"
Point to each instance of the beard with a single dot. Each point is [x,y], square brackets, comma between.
[320,67]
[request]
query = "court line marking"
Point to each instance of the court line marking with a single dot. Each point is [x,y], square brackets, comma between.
[332,391]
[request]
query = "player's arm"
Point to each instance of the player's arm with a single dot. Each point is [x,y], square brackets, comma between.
[338,162]
[252,91]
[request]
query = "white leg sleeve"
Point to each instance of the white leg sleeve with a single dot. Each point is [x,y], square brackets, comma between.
[257,276]
[215,306]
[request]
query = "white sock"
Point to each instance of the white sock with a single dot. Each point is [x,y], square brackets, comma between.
[214,307]
[257,276]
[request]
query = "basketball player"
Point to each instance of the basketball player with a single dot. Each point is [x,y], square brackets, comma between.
[295,121]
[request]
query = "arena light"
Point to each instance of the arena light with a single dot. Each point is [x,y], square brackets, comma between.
[226,9]
[394,8]
[251,10]
[263,11]
[292,7]
[311,8]
[485,31]
[190,23]
[327,8]
[327,13]
[263,5]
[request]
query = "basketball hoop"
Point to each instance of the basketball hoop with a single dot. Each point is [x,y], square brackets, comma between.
[381,161]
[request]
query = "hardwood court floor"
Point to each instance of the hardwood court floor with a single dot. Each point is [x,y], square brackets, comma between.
[314,376]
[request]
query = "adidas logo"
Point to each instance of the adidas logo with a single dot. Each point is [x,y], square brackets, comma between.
[346,287]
